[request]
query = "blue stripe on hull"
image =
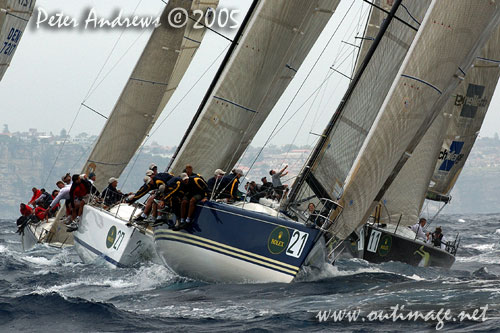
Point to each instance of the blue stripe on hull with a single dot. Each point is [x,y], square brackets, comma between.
[232,255]
[244,235]
[98,253]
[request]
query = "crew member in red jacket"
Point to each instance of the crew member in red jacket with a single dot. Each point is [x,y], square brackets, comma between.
[36,194]
[26,210]
[80,188]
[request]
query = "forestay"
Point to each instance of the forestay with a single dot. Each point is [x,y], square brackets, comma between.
[14,17]
[467,109]
[449,39]
[352,120]
[273,46]
[157,74]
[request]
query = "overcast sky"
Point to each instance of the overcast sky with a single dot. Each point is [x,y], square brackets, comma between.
[53,70]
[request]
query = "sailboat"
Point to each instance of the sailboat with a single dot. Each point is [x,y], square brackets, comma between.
[246,242]
[14,17]
[107,234]
[424,85]
[227,242]
[433,169]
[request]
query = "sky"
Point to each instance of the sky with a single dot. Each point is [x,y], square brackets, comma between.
[55,70]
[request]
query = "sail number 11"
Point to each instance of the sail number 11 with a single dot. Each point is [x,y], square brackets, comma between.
[297,242]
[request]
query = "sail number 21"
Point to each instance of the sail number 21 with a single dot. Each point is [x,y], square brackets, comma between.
[297,242]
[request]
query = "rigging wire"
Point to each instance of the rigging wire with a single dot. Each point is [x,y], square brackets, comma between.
[151,134]
[86,97]
[301,86]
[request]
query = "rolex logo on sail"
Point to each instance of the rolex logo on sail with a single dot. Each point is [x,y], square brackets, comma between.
[278,240]
[473,100]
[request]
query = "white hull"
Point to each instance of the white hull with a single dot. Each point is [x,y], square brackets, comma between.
[39,233]
[104,235]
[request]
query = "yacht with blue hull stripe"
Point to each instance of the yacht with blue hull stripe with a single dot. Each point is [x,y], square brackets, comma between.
[245,242]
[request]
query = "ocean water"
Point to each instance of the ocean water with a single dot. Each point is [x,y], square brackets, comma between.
[50,290]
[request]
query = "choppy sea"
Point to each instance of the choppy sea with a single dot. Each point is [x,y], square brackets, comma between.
[50,290]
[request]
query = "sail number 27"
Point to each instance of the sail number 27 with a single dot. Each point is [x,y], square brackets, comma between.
[297,242]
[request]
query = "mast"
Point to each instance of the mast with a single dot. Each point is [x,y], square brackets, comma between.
[155,77]
[435,65]
[216,79]
[307,175]
[272,48]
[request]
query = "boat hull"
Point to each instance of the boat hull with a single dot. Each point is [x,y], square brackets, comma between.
[103,236]
[380,246]
[232,244]
[43,232]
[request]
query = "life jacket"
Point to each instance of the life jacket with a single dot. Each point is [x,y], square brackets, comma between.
[35,196]
[26,211]
[40,213]
[437,240]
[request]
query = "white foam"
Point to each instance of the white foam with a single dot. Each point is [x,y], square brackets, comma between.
[461,220]
[3,249]
[481,247]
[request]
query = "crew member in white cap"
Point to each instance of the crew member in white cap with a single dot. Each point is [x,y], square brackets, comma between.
[111,194]
[228,187]
[215,180]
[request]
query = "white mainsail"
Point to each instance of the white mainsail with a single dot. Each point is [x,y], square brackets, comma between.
[404,199]
[353,120]
[14,17]
[457,125]
[273,46]
[467,109]
[157,74]
[446,44]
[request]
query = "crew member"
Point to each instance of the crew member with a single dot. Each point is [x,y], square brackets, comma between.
[228,188]
[195,190]
[36,194]
[418,229]
[111,194]
[277,185]
[26,210]
[215,180]
[438,239]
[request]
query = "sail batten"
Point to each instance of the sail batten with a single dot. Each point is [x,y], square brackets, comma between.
[152,83]
[334,156]
[406,195]
[14,18]
[444,47]
[271,50]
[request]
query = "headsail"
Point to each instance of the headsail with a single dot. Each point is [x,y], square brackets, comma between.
[157,74]
[452,34]
[467,109]
[404,199]
[333,156]
[456,123]
[273,46]
[14,17]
